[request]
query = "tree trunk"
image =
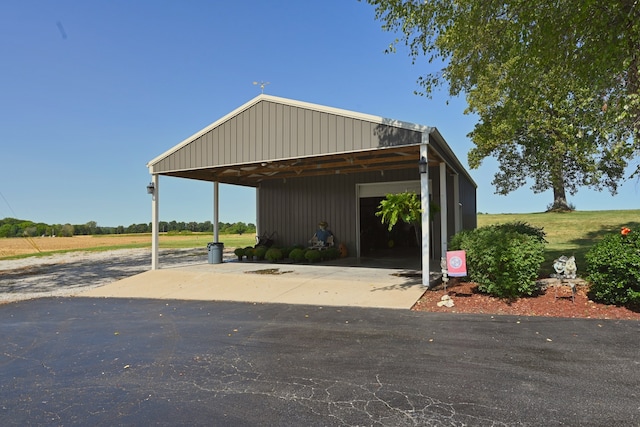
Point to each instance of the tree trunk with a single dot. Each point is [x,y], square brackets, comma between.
[559,197]
[556,173]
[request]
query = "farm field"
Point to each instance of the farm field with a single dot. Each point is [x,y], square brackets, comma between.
[20,247]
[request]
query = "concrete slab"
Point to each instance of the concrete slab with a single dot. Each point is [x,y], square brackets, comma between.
[321,285]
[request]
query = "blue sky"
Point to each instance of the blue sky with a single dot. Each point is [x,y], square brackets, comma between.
[91,91]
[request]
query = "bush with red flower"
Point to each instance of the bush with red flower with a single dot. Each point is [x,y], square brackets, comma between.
[613,267]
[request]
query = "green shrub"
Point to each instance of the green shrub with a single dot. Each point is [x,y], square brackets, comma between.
[285,252]
[312,255]
[273,254]
[330,253]
[239,252]
[297,254]
[248,252]
[259,252]
[523,228]
[613,268]
[504,260]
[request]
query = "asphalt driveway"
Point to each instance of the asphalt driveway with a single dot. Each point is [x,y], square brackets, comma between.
[88,361]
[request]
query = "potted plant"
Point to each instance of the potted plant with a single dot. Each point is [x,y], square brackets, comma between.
[239,252]
[273,254]
[404,207]
[312,255]
[259,252]
[297,254]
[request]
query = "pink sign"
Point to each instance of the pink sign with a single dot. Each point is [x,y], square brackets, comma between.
[457,263]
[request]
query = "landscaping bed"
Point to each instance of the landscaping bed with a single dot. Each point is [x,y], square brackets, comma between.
[467,299]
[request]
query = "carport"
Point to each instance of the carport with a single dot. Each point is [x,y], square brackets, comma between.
[309,162]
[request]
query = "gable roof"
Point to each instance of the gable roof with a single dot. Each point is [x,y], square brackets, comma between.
[272,137]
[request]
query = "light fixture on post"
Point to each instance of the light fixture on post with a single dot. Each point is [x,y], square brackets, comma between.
[151,188]
[422,165]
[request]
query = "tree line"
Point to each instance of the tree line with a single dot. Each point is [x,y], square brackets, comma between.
[12,227]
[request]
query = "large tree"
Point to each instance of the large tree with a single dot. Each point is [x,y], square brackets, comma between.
[554,83]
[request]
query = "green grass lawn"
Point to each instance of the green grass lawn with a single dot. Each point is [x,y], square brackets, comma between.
[570,233]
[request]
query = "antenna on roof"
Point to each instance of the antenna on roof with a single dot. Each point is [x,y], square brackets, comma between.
[262,85]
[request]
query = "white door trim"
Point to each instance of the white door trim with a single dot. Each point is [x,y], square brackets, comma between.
[380,189]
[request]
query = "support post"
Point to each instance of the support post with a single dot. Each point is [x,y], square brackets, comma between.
[216,219]
[424,205]
[155,232]
[443,213]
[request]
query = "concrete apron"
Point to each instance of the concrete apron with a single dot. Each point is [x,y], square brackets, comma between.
[321,285]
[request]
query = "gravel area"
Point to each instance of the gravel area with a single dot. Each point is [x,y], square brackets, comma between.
[73,272]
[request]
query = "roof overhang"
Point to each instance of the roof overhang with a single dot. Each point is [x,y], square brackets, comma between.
[251,174]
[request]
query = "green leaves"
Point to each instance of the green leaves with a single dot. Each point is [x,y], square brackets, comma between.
[613,265]
[400,207]
[503,259]
[554,83]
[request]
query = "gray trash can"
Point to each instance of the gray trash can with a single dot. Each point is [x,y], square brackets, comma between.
[215,252]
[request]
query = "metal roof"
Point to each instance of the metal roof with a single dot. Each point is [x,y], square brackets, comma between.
[271,137]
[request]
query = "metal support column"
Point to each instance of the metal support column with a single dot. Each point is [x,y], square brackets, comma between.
[424,205]
[155,232]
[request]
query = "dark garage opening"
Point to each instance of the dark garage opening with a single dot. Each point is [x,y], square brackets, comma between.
[377,241]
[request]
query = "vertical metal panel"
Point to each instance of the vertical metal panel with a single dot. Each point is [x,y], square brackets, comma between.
[332,135]
[192,155]
[259,135]
[339,133]
[300,114]
[469,204]
[272,126]
[286,132]
[217,145]
[199,149]
[307,145]
[316,147]
[234,147]
[324,133]
[243,150]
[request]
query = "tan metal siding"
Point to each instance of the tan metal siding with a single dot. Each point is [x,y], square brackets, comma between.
[294,208]
[469,206]
[270,131]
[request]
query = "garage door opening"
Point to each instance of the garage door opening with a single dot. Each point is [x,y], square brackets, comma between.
[374,238]
[377,241]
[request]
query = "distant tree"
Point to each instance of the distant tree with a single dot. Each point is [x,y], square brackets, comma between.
[238,228]
[91,227]
[41,229]
[30,231]
[6,230]
[66,230]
